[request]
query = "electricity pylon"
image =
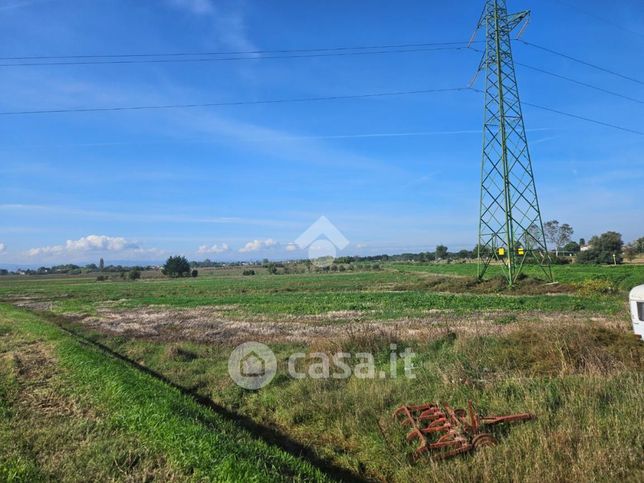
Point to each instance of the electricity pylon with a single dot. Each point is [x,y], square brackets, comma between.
[510,225]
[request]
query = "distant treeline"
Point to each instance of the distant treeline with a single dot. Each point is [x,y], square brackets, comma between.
[71,269]
[606,248]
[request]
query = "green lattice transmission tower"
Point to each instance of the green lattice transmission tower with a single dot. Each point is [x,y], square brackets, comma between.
[510,227]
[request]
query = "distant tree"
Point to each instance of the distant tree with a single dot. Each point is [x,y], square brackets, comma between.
[134,274]
[464,254]
[630,251]
[248,272]
[572,247]
[176,266]
[101,264]
[426,257]
[551,230]
[441,251]
[639,245]
[485,251]
[582,242]
[194,273]
[558,235]
[565,235]
[532,237]
[605,248]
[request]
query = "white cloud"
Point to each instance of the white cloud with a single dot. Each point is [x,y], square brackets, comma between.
[291,247]
[361,245]
[90,243]
[3,247]
[255,245]
[203,249]
[50,250]
[99,242]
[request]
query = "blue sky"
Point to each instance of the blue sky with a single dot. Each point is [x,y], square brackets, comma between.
[242,182]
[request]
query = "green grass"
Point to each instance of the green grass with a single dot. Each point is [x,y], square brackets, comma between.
[623,276]
[584,386]
[402,290]
[196,441]
[583,379]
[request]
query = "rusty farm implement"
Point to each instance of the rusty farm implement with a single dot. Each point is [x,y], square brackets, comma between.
[442,431]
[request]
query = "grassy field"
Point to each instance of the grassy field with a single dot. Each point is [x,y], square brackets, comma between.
[69,412]
[564,352]
[399,290]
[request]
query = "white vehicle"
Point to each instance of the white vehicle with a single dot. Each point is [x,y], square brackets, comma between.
[637,309]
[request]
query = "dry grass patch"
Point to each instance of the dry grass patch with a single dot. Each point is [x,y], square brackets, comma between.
[211,324]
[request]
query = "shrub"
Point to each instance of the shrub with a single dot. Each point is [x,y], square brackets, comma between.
[561,260]
[594,286]
[102,278]
[134,274]
[248,272]
[194,273]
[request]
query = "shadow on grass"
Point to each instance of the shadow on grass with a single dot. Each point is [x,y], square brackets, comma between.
[268,434]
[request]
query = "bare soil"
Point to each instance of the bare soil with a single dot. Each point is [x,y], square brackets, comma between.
[33,303]
[212,324]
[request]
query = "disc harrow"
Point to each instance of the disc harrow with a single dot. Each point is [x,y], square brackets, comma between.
[442,431]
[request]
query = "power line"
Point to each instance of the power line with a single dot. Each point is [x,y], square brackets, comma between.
[574,81]
[234,103]
[574,116]
[304,99]
[298,53]
[578,82]
[238,52]
[217,59]
[580,61]
[587,119]
[330,53]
